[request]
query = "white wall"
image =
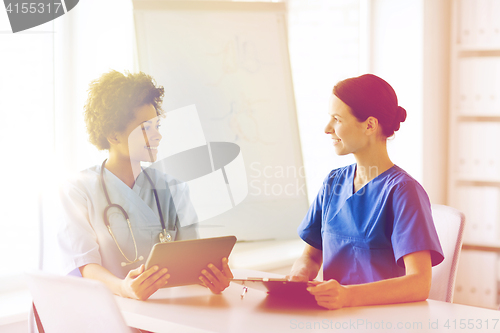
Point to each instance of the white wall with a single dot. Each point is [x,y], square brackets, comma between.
[397,57]
[410,49]
[324,43]
[84,51]
[437,43]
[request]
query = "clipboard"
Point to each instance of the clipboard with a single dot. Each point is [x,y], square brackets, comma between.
[278,287]
[187,258]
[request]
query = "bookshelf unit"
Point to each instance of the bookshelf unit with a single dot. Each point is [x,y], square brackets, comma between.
[474,156]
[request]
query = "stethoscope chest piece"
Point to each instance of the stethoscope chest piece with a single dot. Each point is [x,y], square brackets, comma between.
[165,237]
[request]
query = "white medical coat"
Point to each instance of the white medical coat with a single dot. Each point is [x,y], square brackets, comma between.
[83,238]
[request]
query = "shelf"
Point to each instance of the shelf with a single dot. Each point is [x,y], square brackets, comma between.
[478,182]
[477,51]
[479,118]
[488,247]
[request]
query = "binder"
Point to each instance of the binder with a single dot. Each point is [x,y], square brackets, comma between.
[495,22]
[478,153]
[467,18]
[485,154]
[487,76]
[465,165]
[479,86]
[475,148]
[478,23]
[476,282]
[495,72]
[490,150]
[465,86]
[481,207]
[482,26]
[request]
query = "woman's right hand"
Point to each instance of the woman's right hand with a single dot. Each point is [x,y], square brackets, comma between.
[140,284]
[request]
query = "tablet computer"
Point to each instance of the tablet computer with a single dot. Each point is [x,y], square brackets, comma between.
[187,258]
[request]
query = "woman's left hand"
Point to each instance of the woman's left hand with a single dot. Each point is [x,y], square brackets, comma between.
[216,280]
[330,294]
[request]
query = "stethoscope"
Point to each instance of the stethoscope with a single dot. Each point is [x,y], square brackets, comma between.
[164,236]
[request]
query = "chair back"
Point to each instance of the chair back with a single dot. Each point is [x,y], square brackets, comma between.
[450,225]
[72,304]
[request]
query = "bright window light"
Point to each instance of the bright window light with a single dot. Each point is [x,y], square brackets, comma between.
[26,139]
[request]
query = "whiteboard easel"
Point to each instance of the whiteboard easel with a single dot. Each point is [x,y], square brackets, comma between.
[231,60]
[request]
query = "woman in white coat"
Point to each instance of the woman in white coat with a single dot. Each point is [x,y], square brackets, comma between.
[115,212]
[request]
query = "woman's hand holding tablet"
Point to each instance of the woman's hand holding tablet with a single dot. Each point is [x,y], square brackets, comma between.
[215,279]
[140,284]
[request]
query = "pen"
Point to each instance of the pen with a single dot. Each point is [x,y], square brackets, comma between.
[245,289]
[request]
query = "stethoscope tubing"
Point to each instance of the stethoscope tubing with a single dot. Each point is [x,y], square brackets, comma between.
[164,236]
[111,205]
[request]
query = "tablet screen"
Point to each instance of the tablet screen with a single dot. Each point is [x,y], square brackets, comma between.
[187,258]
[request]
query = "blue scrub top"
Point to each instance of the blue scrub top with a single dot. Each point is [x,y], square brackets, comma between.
[364,235]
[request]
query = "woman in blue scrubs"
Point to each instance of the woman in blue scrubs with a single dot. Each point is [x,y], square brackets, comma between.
[370,225]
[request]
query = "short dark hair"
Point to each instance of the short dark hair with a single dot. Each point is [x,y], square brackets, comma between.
[112,101]
[370,96]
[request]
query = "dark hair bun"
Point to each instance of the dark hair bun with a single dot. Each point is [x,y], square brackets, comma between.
[401,114]
[400,117]
[370,96]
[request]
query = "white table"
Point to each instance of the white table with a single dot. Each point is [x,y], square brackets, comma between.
[196,309]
